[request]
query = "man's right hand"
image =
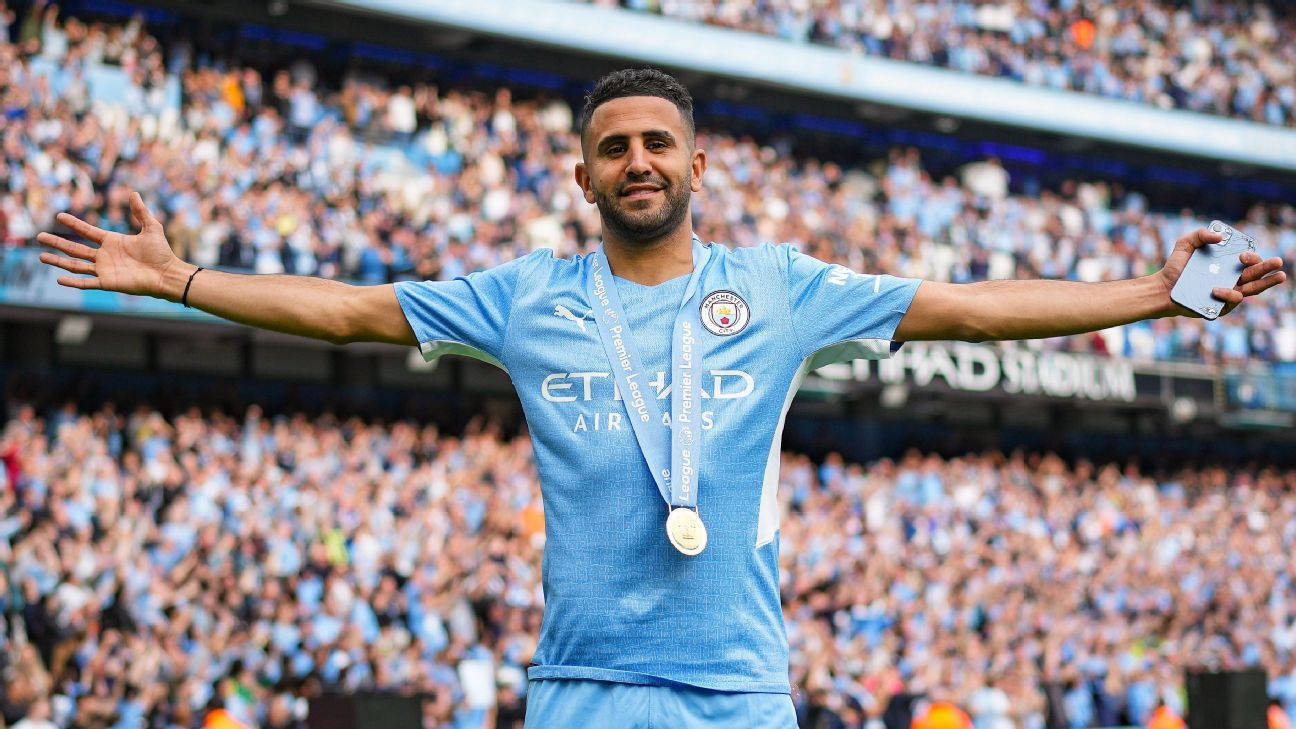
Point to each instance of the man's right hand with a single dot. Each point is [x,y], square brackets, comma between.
[132,264]
[303,305]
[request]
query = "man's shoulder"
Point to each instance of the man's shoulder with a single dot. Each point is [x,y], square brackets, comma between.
[755,254]
[538,258]
[768,262]
[547,258]
[753,251]
[539,267]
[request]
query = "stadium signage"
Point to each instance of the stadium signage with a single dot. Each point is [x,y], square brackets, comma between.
[982,368]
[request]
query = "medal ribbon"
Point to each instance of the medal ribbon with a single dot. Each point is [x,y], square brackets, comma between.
[684,441]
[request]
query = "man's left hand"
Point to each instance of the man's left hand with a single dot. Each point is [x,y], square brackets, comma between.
[1259,274]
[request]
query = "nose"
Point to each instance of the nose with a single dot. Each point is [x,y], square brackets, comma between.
[637,163]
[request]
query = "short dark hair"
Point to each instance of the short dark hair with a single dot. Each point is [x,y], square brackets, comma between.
[639,82]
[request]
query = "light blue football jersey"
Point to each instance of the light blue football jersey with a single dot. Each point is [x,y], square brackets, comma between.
[620,603]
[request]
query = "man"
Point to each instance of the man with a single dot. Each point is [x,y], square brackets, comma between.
[646,626]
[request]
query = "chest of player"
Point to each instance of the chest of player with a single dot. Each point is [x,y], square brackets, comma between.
[563,369]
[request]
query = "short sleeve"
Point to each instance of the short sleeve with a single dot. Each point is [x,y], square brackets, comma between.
[855,314]
[467,315]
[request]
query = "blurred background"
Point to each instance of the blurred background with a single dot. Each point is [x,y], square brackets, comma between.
[207,525]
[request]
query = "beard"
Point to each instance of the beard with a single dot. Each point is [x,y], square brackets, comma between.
[644,226]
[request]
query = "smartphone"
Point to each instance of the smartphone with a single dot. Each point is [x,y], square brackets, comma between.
[1214,265]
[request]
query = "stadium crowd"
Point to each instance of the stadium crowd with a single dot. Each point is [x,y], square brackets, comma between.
[376,183]
[1213,57]
[155,572]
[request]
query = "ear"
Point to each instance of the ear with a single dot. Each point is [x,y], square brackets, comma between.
[583,179]
[699,164]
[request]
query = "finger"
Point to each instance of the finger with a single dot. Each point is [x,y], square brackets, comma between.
[67,264]
[82,228]
[78,283]
[1228,296]
[80,250]
[1259,269]
[144,220]
[1263,284]
[1249,258]
[1201,237]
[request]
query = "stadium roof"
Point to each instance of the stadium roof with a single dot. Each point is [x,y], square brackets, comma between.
[843,74]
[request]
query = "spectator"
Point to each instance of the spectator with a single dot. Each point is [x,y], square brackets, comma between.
[369,557]
[1165,718]
[484,178]
[990,707]
[942,715]
[38,717]
[1210,57]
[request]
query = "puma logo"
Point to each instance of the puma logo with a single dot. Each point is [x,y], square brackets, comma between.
[565,313]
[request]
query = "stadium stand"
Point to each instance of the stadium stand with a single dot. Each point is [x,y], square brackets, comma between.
[155,567]
[1216,58]
[255,560]
[284,175]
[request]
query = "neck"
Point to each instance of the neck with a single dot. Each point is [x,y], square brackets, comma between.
[655,261]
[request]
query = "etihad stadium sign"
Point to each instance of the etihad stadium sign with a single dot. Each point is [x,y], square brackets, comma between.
[971,367]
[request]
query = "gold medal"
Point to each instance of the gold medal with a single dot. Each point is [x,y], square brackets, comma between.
[685,530]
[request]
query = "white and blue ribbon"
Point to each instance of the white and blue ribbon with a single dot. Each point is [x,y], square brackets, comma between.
[684,442]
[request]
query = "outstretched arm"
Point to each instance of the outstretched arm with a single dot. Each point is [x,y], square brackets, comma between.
[998,310]
[144,264]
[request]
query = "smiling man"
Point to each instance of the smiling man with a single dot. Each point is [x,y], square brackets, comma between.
[655,374]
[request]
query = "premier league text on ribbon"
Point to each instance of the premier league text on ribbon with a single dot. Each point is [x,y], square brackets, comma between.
[636,399]
[683,442]
[682,418]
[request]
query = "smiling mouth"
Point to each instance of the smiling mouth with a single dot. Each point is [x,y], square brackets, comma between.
[639,191]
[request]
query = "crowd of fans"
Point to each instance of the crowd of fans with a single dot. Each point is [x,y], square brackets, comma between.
[1233,59]
[156,571]
[376,183]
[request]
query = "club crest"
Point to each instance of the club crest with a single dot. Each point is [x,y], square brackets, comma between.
[724,313]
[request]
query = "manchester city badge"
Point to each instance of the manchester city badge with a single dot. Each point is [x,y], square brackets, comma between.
[724,313]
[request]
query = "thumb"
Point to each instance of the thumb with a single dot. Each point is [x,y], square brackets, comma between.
[1199,238]
[143,218]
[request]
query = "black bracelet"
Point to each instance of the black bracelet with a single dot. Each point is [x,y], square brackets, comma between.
[184,298]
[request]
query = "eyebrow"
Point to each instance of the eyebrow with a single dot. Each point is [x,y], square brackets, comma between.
[660,134]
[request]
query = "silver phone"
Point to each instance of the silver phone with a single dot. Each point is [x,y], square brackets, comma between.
[1214,265]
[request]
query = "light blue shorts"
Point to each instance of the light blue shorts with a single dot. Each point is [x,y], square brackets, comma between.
[563,703]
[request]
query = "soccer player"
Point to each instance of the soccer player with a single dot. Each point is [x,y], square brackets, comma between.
[655,374]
